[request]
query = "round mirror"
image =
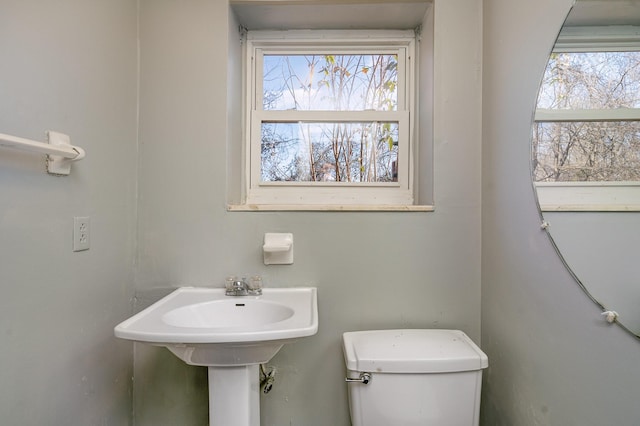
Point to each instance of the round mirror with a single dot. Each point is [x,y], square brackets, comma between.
[586,152]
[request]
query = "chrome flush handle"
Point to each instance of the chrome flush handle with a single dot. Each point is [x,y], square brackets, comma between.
[364,378]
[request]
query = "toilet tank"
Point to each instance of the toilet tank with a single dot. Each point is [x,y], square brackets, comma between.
[417,377]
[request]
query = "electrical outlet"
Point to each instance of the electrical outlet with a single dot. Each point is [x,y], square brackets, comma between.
[81,233]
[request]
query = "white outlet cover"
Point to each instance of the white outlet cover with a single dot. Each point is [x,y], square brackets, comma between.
[81,233]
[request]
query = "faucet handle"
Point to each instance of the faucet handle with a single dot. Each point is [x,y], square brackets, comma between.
[229,282]
[255,284]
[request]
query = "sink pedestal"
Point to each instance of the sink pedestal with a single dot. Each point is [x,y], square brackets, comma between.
[234,396]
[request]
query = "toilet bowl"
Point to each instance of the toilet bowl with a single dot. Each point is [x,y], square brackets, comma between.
[413,377]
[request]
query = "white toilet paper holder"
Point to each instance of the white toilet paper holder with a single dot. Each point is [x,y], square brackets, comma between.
[278,248]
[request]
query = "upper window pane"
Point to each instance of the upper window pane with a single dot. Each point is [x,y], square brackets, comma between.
[330,82]
[591,80]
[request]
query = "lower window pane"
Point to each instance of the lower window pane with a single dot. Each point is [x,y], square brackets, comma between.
[586,151]
[329,152]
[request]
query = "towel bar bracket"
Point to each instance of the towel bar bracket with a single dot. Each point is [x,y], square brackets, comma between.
[58,164]
[60,153]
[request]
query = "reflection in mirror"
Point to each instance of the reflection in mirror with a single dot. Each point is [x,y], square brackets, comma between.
[586,151]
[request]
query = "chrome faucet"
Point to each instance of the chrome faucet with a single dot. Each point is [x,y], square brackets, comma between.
[237,287]
[240,287]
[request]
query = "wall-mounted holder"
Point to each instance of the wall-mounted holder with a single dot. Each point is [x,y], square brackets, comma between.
[278,249]
[60,152]
[610,316]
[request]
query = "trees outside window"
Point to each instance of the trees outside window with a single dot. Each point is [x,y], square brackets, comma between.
[587,123]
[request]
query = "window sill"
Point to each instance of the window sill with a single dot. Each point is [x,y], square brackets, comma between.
[588,196]
[327,208]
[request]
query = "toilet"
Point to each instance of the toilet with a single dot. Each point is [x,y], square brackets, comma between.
[413,377]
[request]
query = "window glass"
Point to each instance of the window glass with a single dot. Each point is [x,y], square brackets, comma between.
[330,82]
[591,80]
[592,143]
[587,151]
[329,151]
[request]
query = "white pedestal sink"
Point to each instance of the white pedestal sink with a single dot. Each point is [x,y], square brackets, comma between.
[231,335]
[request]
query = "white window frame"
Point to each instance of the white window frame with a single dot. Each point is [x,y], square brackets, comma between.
[591,196]
[334,195]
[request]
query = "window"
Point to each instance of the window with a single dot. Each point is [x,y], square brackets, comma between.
[586,137]
[329,117]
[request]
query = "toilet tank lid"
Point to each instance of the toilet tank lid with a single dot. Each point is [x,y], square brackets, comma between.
[412,351]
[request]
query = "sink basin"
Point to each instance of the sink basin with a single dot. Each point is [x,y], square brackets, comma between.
[202,326]
[232,314]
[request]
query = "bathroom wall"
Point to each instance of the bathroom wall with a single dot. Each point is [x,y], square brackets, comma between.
[553,360]
[372,270]
[603,256]
[70,66]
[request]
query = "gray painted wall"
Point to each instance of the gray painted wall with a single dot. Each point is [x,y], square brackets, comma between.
[372,270]
[69,66]
[602,249]
[553,360]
